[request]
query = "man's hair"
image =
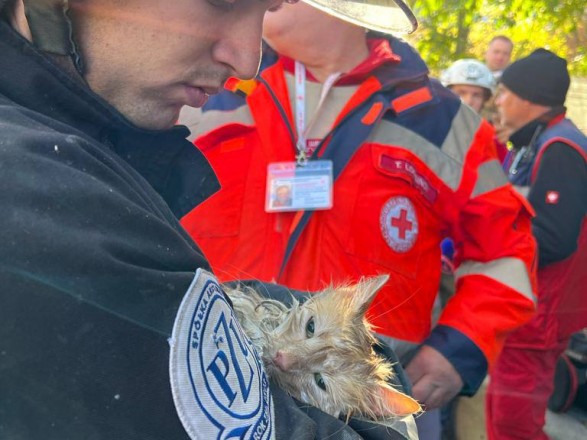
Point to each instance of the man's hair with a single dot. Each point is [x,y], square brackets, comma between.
[502,38]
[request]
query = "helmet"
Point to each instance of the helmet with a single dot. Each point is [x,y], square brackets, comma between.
[387,16]
[468,72]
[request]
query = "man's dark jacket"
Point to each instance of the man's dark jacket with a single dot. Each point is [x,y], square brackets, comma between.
[94,265]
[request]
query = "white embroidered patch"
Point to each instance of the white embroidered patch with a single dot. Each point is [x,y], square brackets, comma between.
[552,197]
[219,385]
[399,223]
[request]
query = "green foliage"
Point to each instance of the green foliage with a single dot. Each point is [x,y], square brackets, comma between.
[451,29]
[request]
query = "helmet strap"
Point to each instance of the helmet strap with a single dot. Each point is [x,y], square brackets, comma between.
[51,28]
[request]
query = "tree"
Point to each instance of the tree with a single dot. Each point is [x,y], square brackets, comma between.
[454,29]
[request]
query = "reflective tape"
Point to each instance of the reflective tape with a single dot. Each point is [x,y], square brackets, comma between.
[490,176]
[509,271]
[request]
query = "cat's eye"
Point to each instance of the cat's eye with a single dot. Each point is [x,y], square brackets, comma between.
[319,381]
[310,327]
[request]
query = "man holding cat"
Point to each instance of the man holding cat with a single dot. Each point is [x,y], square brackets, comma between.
[111,324]
[410,166]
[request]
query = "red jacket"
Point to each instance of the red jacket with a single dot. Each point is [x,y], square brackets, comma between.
[412,165]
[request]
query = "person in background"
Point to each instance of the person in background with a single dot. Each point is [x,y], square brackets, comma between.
[474,83]
[471,80]
[111,324]
[497,57]
[410,164]
[498,54]
[548,165]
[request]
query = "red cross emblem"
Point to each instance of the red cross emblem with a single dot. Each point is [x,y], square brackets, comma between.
[402,223]
[399,223]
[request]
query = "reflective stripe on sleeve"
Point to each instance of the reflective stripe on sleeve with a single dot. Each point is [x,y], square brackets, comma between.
[457,143]
[462,132]
[389,133]
[522,190]
[509,271]
[489,177]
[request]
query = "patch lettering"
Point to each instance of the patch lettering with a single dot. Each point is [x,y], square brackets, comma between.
[407,168]
[219,385]
[399,224]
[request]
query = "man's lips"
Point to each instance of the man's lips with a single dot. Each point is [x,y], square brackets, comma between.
[195,96]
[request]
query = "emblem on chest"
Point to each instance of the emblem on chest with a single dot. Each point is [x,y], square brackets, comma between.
[399,223]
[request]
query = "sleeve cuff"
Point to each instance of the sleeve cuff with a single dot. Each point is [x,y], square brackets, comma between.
[463,354]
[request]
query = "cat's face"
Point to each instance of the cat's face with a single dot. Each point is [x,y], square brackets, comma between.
[322,354]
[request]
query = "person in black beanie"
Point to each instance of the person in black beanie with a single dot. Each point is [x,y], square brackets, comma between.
[548,165]
[541,78]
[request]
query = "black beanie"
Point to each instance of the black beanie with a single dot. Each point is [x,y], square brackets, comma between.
[541,77]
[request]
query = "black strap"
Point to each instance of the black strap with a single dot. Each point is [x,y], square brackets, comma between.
[51,28]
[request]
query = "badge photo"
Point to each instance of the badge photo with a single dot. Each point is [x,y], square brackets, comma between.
[291,187]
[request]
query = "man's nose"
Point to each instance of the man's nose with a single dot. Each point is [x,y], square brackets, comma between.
[240,49]
[497,99]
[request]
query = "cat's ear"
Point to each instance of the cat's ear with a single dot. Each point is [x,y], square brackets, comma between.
[365,291]
[391,402]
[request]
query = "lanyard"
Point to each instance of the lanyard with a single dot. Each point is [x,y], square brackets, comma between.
[300,105]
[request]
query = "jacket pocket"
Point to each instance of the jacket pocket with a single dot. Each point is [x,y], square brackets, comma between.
[391,225]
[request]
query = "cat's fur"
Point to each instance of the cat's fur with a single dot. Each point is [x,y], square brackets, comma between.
[321,351]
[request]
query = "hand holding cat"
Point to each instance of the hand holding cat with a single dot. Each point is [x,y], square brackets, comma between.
[435,381]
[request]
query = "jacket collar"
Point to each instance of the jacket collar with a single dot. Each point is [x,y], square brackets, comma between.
[391,61]
[527,134]
[31,79]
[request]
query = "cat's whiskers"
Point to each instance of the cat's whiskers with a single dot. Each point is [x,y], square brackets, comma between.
[397,305]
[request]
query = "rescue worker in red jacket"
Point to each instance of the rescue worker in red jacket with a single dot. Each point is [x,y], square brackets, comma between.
[383,163]
[548,164]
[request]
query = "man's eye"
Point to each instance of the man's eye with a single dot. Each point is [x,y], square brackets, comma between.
[280,3]
[223,4]
[275,8]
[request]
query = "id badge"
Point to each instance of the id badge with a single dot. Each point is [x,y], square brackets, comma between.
[291,187]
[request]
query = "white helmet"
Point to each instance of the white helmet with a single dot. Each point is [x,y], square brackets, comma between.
[468,72]
[386,16]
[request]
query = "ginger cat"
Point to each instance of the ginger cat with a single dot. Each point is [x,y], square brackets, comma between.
[321,351]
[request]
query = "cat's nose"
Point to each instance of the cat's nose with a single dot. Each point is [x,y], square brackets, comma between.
[282,361]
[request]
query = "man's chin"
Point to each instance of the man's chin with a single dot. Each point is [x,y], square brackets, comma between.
[156,120]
